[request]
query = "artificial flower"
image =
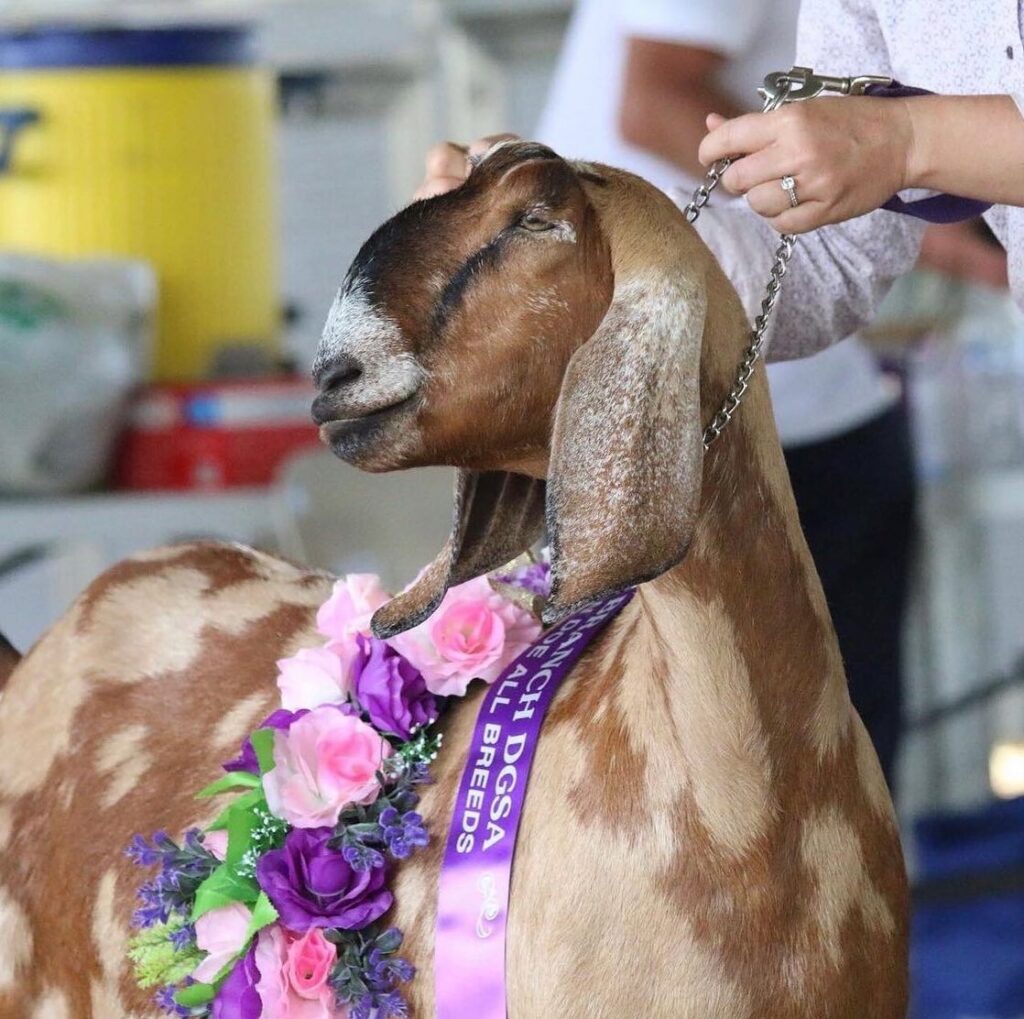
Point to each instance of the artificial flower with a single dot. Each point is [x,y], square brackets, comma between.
[220,933]
[293,975]
[326,761]
[246,760]
[347,613]
[312,677]
[391,692]
[311,884]
[237,997]
[474,634]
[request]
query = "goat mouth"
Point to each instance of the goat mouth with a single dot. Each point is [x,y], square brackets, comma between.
[342,433]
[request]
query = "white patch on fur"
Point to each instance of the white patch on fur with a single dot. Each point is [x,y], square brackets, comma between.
[241,717]
[720,733]
[125,758]
[830,849]
[110,939]
[53,1004]
[6,825]
[357,329]
[15,941]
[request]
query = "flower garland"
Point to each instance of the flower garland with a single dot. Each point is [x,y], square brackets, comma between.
[276,910]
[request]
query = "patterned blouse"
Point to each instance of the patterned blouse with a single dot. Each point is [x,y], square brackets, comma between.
[840,273]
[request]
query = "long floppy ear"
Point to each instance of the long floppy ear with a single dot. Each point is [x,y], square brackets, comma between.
[627,451]
[498,515]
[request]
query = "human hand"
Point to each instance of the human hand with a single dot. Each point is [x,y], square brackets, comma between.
[448,164]
[848,157]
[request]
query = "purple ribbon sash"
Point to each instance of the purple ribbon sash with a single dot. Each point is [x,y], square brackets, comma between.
[472,909]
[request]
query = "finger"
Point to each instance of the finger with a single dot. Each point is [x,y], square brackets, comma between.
[446,159]
[769,200]
[805,217]
[437,186]
[738,137]
[714,120]
[759,168]
[483,145]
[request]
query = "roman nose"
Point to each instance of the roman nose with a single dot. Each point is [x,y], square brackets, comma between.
[334,380]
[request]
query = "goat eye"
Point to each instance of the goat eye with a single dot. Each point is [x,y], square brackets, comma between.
[531,221]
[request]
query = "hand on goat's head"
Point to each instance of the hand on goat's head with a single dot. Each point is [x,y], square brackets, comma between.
[540,328]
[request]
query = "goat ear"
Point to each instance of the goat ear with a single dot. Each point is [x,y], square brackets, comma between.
[627,450]
[498,515]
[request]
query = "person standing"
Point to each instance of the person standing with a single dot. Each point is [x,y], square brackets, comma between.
[634,85]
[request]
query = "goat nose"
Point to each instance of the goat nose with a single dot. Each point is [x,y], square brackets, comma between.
[340,372]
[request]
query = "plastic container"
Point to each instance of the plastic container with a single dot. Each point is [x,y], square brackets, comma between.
[153,144]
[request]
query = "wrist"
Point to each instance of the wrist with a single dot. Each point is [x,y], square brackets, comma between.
[913,139]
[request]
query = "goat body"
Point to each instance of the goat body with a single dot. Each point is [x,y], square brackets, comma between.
[707,833]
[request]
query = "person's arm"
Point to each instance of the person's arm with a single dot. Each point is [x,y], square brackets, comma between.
[839,274]
[668,89]
[849,156]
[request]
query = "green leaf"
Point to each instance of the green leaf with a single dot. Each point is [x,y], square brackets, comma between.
[245,802]
[221,888]
[195,995]
[263,915]
[232,780]
[263,744]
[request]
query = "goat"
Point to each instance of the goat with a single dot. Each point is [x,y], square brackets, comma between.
[707,834]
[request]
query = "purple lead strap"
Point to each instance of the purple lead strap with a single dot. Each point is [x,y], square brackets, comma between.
[937,208]
[473,896]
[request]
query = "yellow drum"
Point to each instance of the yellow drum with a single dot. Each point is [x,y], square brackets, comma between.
[155,144]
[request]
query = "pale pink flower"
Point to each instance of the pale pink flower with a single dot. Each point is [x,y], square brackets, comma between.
[216,842]
[221,933]
[313,676]
[474,634]
[293,975]
[325,762]
[347,613]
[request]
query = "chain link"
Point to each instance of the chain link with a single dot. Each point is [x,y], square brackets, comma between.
[701,197]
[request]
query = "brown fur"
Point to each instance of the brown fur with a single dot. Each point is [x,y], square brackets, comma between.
[707,833]
[9,658]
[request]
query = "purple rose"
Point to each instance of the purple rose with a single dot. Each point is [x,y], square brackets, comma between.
[390,690]
[312,885]
[237,997]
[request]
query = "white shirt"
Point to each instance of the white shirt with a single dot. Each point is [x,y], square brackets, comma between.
[839,273]
[814,398]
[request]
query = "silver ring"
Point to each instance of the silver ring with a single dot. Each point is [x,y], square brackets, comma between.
[789,186]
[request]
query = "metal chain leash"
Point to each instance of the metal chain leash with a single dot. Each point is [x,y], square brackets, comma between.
[773,100]
[794,85]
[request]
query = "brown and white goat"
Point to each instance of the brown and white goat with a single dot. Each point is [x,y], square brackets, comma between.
[707,833]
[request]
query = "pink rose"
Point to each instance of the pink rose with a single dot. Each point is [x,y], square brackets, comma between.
[474,634]
[310,678]
[293,975]
[347,613]
[221,933]
[322,764]
[216,842]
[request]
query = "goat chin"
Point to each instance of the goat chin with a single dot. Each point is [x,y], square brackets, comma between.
[9,658]
[707,833]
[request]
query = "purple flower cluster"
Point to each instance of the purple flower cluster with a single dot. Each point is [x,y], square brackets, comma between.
[182,870]
[390,690]
[311,884]
[533,577]
[367,975]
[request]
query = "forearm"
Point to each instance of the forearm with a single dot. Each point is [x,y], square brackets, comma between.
[837,276]
[967,145]
[669,121]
